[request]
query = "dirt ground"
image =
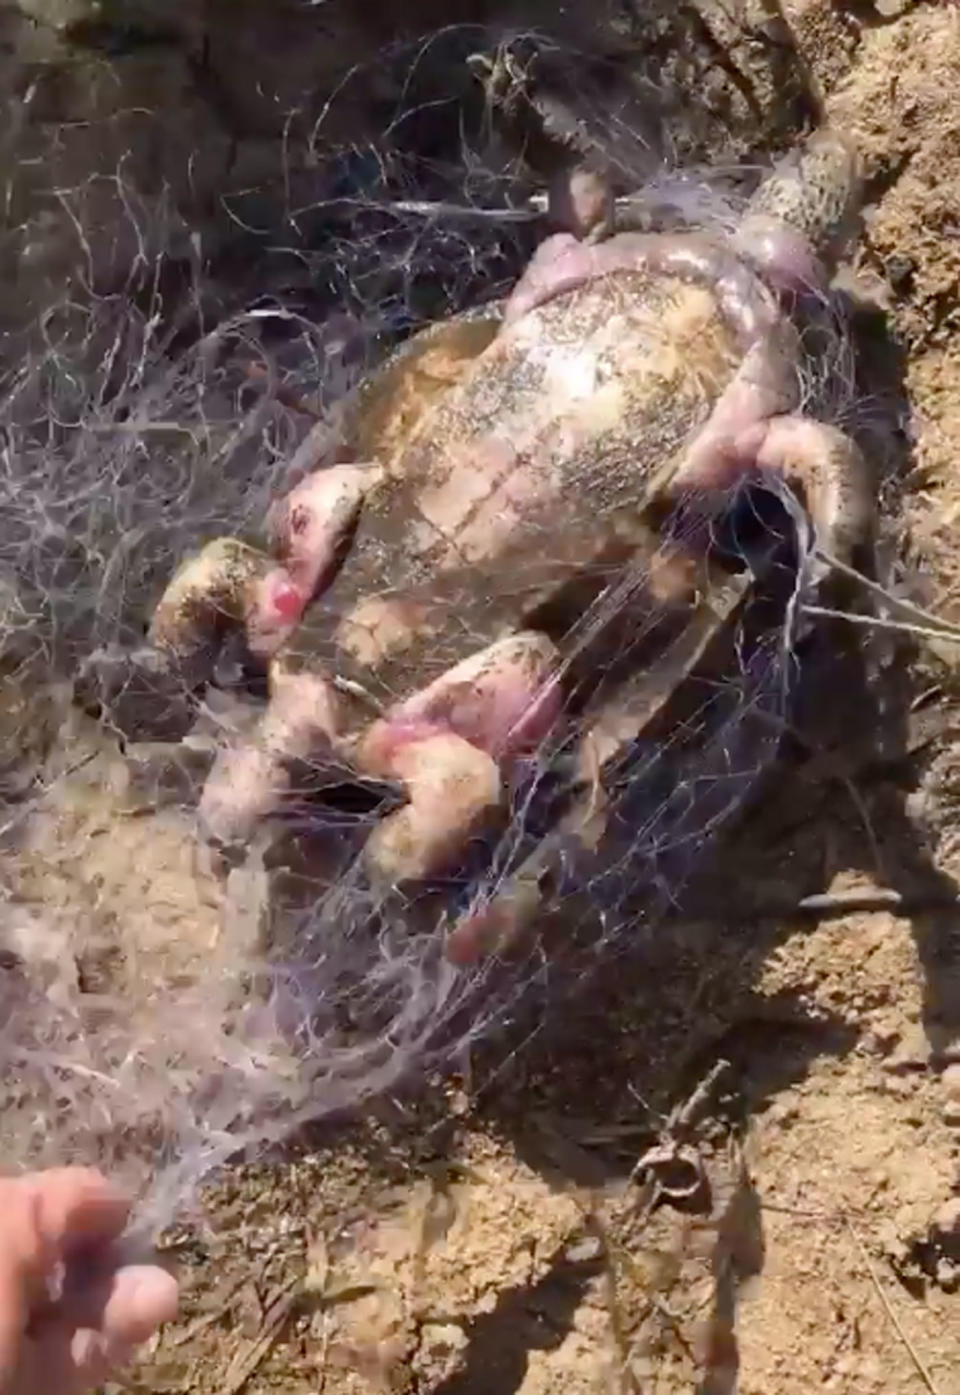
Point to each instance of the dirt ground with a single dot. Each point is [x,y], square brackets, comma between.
[797,1228]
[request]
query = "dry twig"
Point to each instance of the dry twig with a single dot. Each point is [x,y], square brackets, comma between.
[673,1147]
[248,1358]
[914,1355]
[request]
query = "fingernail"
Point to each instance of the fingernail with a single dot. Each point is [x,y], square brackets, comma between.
[87,1350]
[145,1297]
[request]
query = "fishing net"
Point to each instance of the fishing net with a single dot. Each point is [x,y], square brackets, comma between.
[159,1015]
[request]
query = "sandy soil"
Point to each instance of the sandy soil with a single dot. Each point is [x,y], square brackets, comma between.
[801,1230]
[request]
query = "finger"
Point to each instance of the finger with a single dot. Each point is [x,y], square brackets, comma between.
[126,1305]
[63,1359]
[83,1358]
[76,1344]
[14,1311]
[43,1217]
[142,1297]
[70,1208]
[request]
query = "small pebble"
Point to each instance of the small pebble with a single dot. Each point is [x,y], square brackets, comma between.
[910,1053]
[946,1222]
[582,1251]
[951,1114]
[443,1336]
[899,1086]
[895,1246]
[950,1080]
[881,1040]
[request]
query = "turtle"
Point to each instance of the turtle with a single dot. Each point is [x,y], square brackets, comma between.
[480,556]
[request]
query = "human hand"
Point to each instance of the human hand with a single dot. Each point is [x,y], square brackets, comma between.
[70,1311]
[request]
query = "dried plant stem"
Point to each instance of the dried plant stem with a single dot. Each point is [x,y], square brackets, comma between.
[888,1308]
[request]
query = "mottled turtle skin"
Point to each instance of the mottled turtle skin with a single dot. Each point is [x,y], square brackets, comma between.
[425,614]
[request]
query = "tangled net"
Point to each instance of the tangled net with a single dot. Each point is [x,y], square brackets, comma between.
[153,1020]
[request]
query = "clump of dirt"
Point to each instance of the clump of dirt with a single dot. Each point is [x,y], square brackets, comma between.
[736,1164]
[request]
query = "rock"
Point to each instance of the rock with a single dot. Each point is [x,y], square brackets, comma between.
[443,1336]
[583,1251]
[950,1081]
[951,1114]
[946,1222]
[899,1086]
[945,1234]
[910,1053]
[136,693]
[442,1352]
[894,1246]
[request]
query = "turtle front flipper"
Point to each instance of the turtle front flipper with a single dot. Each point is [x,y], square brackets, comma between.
[228,591]
[148,693]
[575,853]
